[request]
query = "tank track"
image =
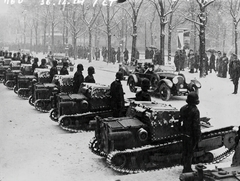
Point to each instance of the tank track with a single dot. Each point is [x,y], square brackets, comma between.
[90,115]
[93,146]
[10,84]
[30,100]
[148,148]
[42,104]
[24,96]
[53,115]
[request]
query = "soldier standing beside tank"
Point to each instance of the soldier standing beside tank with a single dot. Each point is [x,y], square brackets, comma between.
[144,95]
[117,95]
[53,70]
[64,70]
[190,119]
[43,64]
[78,78]
[35,64]
[89,78]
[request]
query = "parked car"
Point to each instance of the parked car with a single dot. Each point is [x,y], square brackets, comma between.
[127,69]
[164,81]
[60,58]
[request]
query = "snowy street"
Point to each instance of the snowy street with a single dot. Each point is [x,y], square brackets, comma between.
[34,148]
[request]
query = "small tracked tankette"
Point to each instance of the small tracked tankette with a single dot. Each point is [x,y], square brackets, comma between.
[23,87]
[74,111]
[4,65]
[24,81]
[10,75]
[150,138]
[42,92]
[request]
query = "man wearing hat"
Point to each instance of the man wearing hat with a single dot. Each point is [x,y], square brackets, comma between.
[144,95]
[190,119]
[117,95]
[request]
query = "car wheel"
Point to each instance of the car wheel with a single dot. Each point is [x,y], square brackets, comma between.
[165,92]
[154,83]
[132,85]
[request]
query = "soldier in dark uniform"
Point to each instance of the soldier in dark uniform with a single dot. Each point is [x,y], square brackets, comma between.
[117,95]
[89,78]
[177,61]
[235,74]
[126,57]
[190,118]
[212,62]
[78,78]
[35,64]
[143,95]
[64,70]
[224,65]
[43,64]
[53,70]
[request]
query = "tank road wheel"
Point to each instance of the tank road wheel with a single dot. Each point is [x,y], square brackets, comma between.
[119,161]
[30,100]
[53,115]
[15,89]
[165,92]
[132,85]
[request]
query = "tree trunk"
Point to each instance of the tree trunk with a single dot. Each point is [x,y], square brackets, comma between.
[44,38]
[162,40]
[170,37]
[109,36]
[31,39]
[74,45]
[134,43]
[90,45]
[236,38]
[202,44]
[52,48]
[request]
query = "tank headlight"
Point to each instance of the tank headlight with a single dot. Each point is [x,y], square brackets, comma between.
[175,80]
[142,134]
[84,104]
[181,86]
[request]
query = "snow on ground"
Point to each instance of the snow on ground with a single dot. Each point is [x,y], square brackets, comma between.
[33,148]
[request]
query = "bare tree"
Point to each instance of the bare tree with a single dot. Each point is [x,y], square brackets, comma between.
[173,7]
[235,13]
[135,7]
[108,21]
[202,16]
[89,18]
[162,13]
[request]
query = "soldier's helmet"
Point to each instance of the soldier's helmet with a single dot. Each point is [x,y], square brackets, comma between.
[145,84]
[80,67]
[91,70]
[119,75]
[192,98]
[65,64]
[43,61]
[54,63]
[35,60]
